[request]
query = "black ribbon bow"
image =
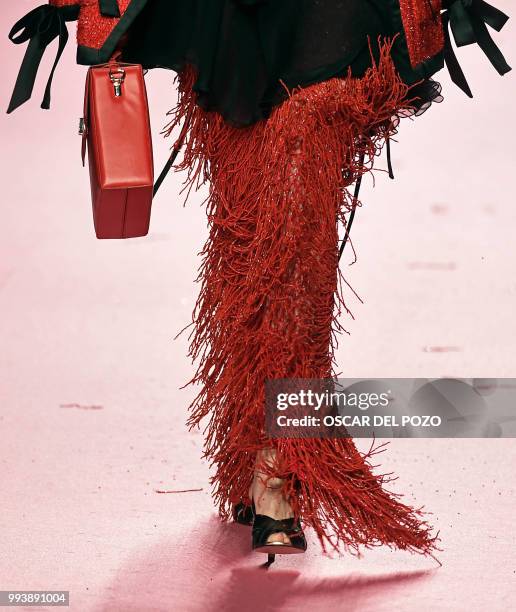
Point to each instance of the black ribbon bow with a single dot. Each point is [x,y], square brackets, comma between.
[40,27]
[467,20]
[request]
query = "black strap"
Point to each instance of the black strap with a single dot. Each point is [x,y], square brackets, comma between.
[352,215]
[40,27]
[389,160]
[109,8]
[357,192]
[265,526]
[467,21]
[166,169]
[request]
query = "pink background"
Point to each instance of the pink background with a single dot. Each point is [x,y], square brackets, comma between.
[92,416]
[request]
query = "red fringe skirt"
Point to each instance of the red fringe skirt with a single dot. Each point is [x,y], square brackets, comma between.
[271,295]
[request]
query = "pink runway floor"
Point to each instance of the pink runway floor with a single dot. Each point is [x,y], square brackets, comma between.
[91,411]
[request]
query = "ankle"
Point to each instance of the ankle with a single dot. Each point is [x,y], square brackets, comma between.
[274,483]
[265,486]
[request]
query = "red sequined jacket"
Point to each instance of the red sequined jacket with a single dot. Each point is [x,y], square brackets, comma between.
[103,23]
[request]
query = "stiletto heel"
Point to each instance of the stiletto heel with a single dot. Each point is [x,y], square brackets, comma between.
[270,561]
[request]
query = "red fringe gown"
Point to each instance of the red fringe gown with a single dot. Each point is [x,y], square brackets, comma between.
[282,107]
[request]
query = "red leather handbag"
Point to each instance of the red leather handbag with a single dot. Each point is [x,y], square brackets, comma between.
[116,131]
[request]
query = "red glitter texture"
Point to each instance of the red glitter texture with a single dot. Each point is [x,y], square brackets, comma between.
[271,295]
[423,28]
[93,28]
[65,2]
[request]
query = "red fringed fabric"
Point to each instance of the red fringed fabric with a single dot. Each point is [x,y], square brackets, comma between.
[271,294]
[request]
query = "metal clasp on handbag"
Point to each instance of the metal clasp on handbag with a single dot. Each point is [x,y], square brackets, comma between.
[117,76]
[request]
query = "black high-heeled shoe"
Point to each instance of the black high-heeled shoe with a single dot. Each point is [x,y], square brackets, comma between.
[265,526]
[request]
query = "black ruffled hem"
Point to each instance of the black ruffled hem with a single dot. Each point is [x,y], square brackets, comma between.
[421,96]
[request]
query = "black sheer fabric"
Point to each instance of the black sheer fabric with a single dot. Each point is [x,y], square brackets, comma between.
[247,51]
